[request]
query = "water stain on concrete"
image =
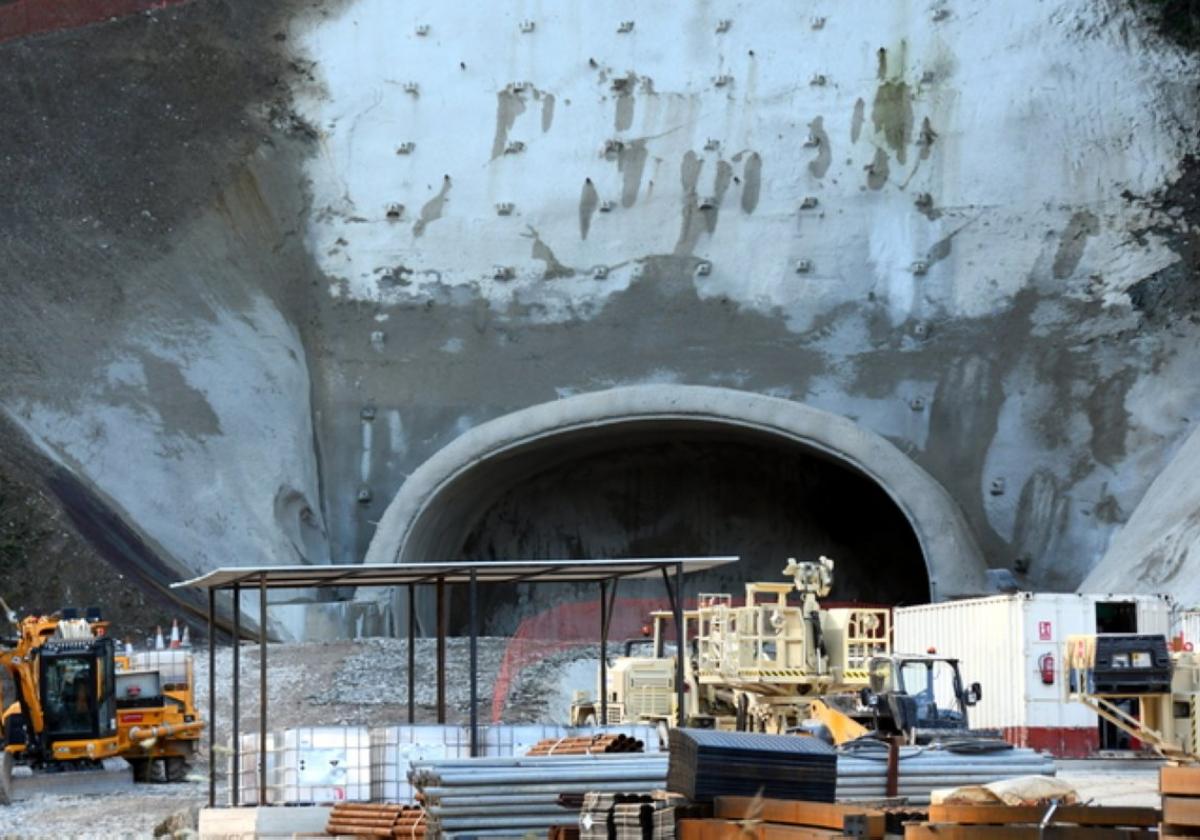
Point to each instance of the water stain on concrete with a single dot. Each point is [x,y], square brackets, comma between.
[631,162]
[547,114]
[432,211]
[1041,514]
[509,106]
[856,121]
[819,165]
[624,116]
[1083,225]
[692,223]
[892,116]
[1109,418]
[751,182]
[541,251]
[926,139]
[720,186]
[588,200]
[182,408]
[878,171]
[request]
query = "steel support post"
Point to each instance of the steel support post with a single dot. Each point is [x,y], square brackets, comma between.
[680,641]
[603,698]
[441,650]
[235,793]
[473,621]
[262,691]
[412,654]
[212,698]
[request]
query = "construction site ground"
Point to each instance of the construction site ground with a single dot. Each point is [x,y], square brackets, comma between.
[364,682]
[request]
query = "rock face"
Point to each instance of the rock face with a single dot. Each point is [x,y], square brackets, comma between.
[262,261]
[1152,552]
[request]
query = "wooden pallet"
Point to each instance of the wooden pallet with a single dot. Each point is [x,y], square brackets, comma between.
[1083,815]
[853,820]
[716,829]
[1008,822]
[960,831]
[1180,789]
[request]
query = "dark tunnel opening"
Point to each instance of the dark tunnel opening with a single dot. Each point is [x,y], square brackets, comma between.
[667,492]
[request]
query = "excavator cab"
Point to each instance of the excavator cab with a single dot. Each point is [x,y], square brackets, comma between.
[77,680]
[920,696]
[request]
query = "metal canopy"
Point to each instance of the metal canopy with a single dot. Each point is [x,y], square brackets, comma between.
[404,574]
[240,579]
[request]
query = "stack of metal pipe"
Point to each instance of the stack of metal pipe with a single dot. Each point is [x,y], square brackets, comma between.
[863,767]
[509,797]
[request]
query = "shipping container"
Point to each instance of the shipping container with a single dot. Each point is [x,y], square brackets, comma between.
[1013,644]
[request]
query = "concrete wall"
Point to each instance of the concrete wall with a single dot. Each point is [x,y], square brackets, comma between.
[967,227]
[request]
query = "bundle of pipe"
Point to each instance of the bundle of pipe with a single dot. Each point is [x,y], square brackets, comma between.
[863,767]
[613,742]
[361,819]
[510,797]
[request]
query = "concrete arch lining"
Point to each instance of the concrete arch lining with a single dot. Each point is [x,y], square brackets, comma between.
[436,501]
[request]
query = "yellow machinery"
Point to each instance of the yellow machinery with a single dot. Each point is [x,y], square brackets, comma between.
[768,659]
[754,666]
[78,703]
[1106,671]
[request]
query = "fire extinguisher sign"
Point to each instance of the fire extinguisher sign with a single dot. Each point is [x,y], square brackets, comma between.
[1045,631]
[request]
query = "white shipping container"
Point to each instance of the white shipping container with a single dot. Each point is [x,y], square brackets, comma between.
[1013,645]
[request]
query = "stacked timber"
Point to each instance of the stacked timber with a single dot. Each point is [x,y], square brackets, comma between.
[756,818]
[610,742]
[512,797]
[706,763]
[1180,789]
[1034,822]
[362,819]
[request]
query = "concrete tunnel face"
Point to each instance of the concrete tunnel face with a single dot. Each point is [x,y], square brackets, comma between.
[663,486]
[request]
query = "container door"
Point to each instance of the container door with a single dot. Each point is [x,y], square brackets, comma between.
[1117,617]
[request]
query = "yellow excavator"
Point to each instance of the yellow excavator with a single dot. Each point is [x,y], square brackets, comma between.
[78,702]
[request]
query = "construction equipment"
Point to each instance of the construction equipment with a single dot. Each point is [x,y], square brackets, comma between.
[1108,670]
[78,702]
[768,665]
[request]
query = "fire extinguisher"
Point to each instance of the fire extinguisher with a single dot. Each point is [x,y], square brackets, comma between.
[1046,668]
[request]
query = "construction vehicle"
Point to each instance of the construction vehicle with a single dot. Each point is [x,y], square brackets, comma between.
[768,665]
[1108,670]
[77,702]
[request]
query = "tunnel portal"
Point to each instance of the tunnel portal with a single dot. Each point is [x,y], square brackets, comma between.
[662,492]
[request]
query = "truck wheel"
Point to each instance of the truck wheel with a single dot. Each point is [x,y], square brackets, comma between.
[177,768]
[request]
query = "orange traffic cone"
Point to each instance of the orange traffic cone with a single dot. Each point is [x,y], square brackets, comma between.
[187,637]
[174,634]
[158,638]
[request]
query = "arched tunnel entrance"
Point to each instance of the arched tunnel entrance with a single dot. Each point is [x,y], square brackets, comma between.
[681,471]
[653,489]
